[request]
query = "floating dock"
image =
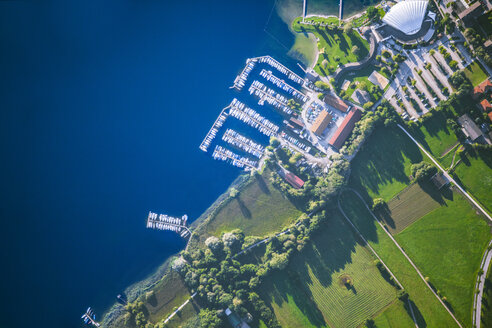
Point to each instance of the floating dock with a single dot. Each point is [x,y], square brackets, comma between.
[166,222]
[90,318]
[209,137]
[252,118]
[223,154]
[241,142]
[269,76]
[270,96]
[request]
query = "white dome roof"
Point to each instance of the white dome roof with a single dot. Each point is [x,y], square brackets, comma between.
[407,16]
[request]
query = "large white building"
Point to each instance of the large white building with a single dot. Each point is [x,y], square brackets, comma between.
[407,16]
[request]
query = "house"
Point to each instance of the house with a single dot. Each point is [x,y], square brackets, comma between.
[234,319]
[336,103]
[482,89]
[490,116]
[470,129]
[291,178]
[485,105]
[296,123]
[439,180]
[469,15]
[361,96]
[345,128]
[321,123]
[378,79]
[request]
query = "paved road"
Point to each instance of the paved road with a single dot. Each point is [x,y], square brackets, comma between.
[450,178]
[477,300]
[406,256]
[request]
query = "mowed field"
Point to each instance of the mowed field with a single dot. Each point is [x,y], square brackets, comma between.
[447,245]
[475,174]
[382,166]
[428,311]
[395,316]
[407,207]
[259,209]
[475,73]
[310,292]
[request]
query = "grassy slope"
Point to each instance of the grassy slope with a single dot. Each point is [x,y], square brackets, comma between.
[475,175]
[475,73]
[435,135]
[395,316]
[382,166]
[309,293]
[447,245]
[403,210]
[428,310]
[258,210]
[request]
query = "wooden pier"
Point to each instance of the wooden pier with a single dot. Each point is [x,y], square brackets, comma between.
[221,152]
[271,130]
[214,129]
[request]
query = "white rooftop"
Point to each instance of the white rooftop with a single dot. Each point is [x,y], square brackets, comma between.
[407,16]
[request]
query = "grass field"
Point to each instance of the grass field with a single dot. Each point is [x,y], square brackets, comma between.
[475,73]
[259,209]
[311,293]
[335,46]
[428,311]
[409,206]
[395,316]
[435,135]
[382,166]
[188,313]
[447,245]
[475,175]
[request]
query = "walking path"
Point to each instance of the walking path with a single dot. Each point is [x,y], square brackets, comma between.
[180,307]
[449,177]
[406,256]
[477,300]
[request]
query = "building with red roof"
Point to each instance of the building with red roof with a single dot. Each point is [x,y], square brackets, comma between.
[482,88]
[336,102]
[345,128]
[485,105]
[490,116]
[291,178]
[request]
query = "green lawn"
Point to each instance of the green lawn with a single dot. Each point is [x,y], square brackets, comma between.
[475,73]
[395,316]
[475,174]
[403,209]
[382,166]
[447,245]
[258,210]
[435,135]
[310,292]
[334,45]
[428,311]
[189,313]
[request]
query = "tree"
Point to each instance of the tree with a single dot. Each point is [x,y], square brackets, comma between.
[378,204]
[356,51]
[422,171]
[209,319]
[233,193]
[347,28]
[279,261]
[372,13]
[215,244]
[322,85]
[324,63]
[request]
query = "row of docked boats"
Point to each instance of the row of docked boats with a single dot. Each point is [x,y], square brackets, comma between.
[240,80]
[281,68]
[212,133]
[268,75]
[224,154]
[166,222]
[89,317]
[270,96]
[234,138]
[252,118]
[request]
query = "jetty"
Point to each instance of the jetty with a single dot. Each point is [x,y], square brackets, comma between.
[166,222]
[90,318]
[270,96]
[269,76]
[234,138]
[209,137]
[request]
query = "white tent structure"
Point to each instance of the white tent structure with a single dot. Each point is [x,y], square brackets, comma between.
[407,16]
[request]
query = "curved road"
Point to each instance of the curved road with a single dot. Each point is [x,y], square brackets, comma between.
[477,300]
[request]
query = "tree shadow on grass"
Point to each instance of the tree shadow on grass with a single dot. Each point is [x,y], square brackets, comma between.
[242,207]
[416,312]
[430,189]
[262,184]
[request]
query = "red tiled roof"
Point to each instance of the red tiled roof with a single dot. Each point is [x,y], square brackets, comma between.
[482,87]
[486,106]
[344,130]
[490,116]
[294,180]
[336,103]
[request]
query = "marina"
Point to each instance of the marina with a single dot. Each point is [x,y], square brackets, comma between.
[268,75]
[223,154]
[90,318]
[252,118]
[166,222]
[241,78]
[270,96]
[213,130]
[246,144]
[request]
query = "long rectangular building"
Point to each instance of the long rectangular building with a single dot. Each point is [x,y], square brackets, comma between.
[336,102]
[321,123]
[345,128]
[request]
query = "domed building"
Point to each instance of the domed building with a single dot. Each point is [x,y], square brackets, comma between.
[408,21]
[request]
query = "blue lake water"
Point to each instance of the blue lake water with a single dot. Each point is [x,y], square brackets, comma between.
[103,105]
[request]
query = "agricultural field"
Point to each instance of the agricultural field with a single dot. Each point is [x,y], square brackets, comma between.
[333,282]
[259,209]
[475,175]
[428,310]
[447,245]
[408,206]
[475,73]
[381,169]
[395,316]
[434,134]
[335,47]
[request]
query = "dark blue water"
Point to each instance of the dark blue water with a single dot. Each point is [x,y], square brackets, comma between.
[103,105]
